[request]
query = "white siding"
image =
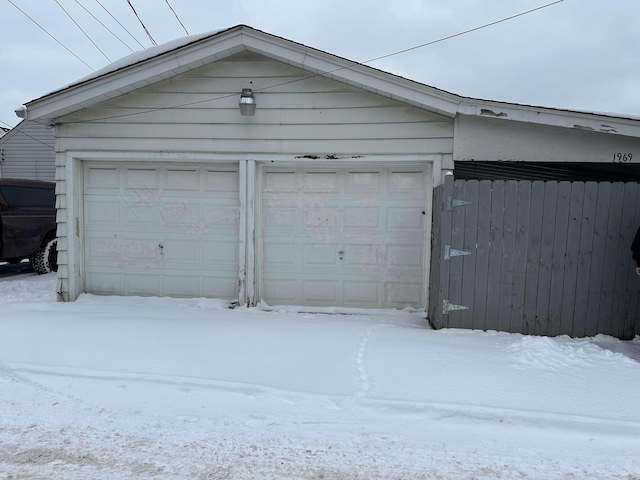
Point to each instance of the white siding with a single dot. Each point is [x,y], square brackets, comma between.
[198,112]
[28,152]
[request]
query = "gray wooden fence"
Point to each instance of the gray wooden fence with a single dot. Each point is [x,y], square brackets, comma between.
[540,258]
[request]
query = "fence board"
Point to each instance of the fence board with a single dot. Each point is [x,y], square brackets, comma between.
[570,283]
[597,259]
[558,258]
[469,261]
[585,258]
[496,223]
[533,257]
[605,323]
[508,244]
[435,275]
[479,314]
[546,255]
[520,256]
[455,263]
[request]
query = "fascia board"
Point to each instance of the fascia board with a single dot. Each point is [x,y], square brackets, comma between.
[130,78]
[546,116]
[353,73]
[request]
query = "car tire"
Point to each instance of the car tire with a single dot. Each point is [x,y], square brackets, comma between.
[45,259]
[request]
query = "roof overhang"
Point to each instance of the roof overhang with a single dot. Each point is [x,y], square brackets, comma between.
[166,61]
[166,64]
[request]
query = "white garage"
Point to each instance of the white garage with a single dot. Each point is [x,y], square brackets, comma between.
[352,237]
[161,229]
[168,185]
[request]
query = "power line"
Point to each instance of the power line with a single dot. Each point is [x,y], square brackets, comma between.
[353,64]
[47,32]
[118,22]
[465,32]
[177,18]
[142,23]
[82,30]
[107,28]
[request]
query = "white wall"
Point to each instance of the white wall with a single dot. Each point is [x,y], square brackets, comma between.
[28,152]
[479,138]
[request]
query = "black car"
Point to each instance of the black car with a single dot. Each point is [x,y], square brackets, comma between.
[28,223]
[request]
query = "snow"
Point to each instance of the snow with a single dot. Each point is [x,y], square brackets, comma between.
[159,388]
[137,57]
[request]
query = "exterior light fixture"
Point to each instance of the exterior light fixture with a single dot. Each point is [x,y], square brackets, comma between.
[247,103]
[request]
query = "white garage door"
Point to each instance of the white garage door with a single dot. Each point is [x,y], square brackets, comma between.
[344,237]
[161,230]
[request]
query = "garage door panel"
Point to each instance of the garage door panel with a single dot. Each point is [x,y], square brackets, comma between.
[400,294]
[280,216]
[316,182]
[142,285]
[160,232]
[221,253]
[321,217]
[362,182]
[104,212]
[103,178]
[220,182]
[183,180]
[357,218]
[404,182]
[136,215]
[279,182]
[141,178]
[107,283]
[318,255]
[404,256]
[405,219]
[280,254]
[282,291]
[320,292]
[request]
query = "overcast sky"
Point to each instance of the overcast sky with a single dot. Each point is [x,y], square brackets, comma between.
[577,54]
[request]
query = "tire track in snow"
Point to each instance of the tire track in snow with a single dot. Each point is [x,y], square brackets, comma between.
[365,384]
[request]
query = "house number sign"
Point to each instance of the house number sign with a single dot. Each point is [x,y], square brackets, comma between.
[622,157]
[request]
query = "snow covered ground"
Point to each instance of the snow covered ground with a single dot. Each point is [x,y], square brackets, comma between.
[148,388]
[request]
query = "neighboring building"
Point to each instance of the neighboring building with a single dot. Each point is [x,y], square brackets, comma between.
[324,197]
[28,151]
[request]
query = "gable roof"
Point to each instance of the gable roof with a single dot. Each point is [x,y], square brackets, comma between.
[173,58]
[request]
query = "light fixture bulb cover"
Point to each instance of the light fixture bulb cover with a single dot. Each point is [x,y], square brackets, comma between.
[247,102]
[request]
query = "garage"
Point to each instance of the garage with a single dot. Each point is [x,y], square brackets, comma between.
[351,237]
[318,196]
[161,229]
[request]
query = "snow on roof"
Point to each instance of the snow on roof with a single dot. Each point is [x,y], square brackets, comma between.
[139,57]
